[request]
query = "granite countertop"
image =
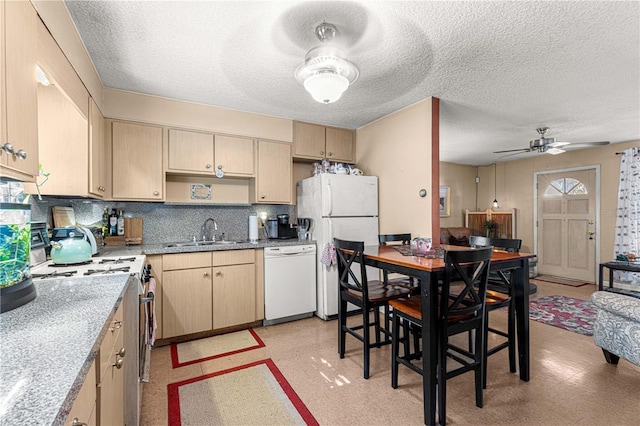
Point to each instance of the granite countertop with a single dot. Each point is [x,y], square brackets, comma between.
[152,249]
[48,345]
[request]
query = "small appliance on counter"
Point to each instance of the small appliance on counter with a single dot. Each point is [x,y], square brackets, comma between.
[286,231]
[87,233]
[40,244]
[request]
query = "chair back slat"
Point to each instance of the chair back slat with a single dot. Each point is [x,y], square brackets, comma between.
[347,278]
[471,268]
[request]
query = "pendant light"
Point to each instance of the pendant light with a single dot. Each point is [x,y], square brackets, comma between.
[325,73]
[495,198]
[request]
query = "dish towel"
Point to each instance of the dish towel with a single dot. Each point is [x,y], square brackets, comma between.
[329,256]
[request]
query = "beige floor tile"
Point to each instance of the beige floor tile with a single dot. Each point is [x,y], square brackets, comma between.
[571,384]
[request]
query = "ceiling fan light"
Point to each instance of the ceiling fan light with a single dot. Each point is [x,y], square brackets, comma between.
[555,151]
[326,87]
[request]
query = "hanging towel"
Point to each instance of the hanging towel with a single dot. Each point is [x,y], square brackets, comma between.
[152,313]
[329,256]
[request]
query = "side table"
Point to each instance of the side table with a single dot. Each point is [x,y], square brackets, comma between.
[615,266]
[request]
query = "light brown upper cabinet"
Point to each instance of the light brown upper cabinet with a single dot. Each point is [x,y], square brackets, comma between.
[99,170]
[204,154]
[18,97]
[137,162]
[273,183]
[314,142]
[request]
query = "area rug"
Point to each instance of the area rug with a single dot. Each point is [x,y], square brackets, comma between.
[199,350]
[251,394]
[561,280]
[565,312]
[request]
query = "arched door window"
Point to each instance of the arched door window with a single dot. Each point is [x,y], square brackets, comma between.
[565,186]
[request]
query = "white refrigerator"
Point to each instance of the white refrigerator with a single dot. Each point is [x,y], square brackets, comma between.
[341,206]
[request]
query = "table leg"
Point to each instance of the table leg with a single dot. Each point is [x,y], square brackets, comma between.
[429,293]
[611,277]
[521,294]
[601,278]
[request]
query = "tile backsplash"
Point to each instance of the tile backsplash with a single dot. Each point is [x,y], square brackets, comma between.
[163,222]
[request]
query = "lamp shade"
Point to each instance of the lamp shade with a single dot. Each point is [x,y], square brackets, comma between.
[326,87]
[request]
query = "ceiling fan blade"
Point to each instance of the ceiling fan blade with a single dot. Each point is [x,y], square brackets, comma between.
[513,150]
[587,144]
[514,153]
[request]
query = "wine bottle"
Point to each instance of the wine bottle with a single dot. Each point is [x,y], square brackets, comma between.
[105,222]
[113,223]
[120,223]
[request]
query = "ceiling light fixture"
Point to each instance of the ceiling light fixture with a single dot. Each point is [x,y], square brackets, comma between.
[41,76]
[326,74]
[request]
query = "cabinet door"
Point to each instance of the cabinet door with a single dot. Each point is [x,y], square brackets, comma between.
[137,162]
[97,152]
[235,155]
[190,152]
[339,145]
[274,173]
[20,91]
[308,141]
[186,302]
[234,295]
[111,407]
[84,407]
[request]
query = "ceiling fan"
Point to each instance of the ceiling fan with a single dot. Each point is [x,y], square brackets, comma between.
[549,145]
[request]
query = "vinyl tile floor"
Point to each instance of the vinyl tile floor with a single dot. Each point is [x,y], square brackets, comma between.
[571,384]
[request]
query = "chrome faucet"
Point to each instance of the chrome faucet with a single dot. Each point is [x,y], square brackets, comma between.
[204,229]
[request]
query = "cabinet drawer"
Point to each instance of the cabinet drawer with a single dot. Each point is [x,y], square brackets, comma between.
[232,257]
[172,262]
[110,339]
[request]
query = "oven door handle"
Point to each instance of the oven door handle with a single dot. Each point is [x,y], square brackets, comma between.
[150,298]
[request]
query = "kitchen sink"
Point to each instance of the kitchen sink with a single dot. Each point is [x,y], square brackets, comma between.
[200,243]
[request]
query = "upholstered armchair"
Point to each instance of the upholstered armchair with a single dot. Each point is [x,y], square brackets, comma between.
[617,326]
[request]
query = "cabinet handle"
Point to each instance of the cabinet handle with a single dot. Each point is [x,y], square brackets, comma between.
[156,193]
[321,152]
[329,154]
[262,197]
[207,166]
[205,275]
[121,353]
[116,325]
[21,154]
[118,364]
[8,147]
[218,273]
[77,422]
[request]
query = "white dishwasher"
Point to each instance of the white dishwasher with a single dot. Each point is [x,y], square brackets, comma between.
[289,283]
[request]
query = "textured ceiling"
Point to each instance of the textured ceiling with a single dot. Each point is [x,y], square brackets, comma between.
[501,69]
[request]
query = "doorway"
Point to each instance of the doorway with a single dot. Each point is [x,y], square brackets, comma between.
[567,222]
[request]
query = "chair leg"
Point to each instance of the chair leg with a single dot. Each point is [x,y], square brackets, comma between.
[342,323]
[387,320]
[395,346]
[485,357]
[442,379]
[480,357]
[366,334]
[376,323]
[611,358]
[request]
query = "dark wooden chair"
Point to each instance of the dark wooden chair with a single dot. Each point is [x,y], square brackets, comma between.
[368,295]
[500,295]
[458,313]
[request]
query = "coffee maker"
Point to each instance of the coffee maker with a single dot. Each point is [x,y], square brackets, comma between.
[285,230]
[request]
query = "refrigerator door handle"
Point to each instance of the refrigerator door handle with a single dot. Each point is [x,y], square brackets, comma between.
[330,198]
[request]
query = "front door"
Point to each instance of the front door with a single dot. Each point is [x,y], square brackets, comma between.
[566,224]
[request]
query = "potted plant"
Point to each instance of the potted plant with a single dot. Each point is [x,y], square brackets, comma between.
[490,226]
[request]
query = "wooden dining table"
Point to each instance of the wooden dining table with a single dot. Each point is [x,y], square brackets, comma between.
[428,271]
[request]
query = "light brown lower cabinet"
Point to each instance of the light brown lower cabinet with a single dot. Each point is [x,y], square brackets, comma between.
[111,378]
[209,291]
[84,410]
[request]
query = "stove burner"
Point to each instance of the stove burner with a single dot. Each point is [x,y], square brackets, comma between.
[107,271]
[54,274]
[57,265]
[118,260]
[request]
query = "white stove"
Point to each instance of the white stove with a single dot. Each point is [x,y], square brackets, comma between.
[96,266]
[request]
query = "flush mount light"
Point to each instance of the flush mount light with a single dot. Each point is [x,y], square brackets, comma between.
[326,74]
[41,76]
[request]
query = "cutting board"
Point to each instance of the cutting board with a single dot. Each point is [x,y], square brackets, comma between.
[133,230]
[63,217]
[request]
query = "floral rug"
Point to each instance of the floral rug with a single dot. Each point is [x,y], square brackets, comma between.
[565,312]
